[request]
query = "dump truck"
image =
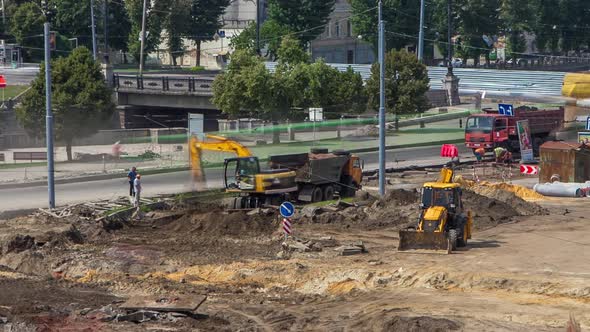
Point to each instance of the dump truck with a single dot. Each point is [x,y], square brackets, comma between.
[443,224]
[320,174]
[308,177]
[491,129]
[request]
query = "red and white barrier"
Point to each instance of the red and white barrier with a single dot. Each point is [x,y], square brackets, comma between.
[449,151]
[287,226]
[529,169]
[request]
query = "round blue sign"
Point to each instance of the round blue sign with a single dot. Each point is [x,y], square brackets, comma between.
[287,209]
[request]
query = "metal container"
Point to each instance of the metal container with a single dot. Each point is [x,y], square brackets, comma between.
[569,160]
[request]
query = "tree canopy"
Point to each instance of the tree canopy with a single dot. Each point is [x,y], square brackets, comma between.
[406,84]
[81,101]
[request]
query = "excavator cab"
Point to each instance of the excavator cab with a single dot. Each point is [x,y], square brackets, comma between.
[240,173]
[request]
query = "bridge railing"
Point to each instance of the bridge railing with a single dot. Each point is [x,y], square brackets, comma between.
[163,83]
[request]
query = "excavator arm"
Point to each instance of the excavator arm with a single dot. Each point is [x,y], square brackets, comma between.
[213,143]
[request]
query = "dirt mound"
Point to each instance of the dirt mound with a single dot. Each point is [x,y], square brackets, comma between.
[490,189]
[219,223]
[522,207]
[420,324]
[17,243]
[398,207]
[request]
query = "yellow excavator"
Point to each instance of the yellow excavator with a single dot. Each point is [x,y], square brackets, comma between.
[443,223]
[242,175]
[306,177]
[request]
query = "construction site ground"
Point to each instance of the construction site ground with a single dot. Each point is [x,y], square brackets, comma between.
[527,267]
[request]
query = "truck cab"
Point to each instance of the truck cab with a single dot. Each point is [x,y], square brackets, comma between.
[487,131]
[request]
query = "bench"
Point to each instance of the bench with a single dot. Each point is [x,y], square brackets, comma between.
[30,156]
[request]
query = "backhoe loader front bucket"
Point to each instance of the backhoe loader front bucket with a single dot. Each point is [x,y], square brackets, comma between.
[418,240]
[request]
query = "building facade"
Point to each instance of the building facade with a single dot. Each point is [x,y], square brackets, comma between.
[339,43]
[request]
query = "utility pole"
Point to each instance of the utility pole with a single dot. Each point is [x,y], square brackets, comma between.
[48,111]
[381,102]
[258,27]
[142,44]
[105,8]
[93,26]
[421,33]
[449,39]
[4,16]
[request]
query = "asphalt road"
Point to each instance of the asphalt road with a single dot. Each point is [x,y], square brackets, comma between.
[19,76]
[166,183]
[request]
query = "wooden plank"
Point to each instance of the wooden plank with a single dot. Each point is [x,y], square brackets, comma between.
[49,213]
[165,304]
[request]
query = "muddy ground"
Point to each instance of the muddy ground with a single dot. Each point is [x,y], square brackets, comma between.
[525,269]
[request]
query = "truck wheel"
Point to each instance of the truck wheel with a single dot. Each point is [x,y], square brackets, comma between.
[316,195]
[453,238]
[328,193]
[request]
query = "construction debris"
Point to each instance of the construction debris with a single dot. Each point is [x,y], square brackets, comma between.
[352,249]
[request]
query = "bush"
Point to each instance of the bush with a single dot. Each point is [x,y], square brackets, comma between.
[197,68]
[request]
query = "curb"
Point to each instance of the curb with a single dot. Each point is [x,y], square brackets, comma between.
[186,168]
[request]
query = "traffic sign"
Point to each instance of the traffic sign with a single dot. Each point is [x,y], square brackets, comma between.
[529,169]
[287,209]
[588,123]
[506,109]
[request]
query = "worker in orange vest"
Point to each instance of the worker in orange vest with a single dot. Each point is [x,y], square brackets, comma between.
[479,154]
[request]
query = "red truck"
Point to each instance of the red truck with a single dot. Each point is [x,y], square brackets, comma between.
[491,129]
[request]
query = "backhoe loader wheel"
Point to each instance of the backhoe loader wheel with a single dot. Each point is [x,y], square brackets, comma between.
[316,195]
[453,238]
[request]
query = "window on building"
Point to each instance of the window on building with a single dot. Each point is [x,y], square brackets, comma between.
[349,29]
[337,25]
[328,31]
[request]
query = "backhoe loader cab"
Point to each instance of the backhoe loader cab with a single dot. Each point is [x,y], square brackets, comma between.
[442,224]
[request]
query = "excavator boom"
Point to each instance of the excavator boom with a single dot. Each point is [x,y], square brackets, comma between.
[217,143]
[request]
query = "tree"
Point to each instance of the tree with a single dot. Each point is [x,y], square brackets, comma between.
[271,36]
[72,18]
[546,25]
[473,20]
[291,53]
[406,84]
[243,87]
[402,19]
[205,21]
[176,25]
[27,27]
[153,26]
[82,103]
[305,17]
[516,16]
[119,26]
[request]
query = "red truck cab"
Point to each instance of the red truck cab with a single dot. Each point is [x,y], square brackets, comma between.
[490,129]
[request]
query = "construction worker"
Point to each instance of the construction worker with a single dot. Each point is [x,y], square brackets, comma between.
[479,154]
[502,155]
[131,176]
[137,189]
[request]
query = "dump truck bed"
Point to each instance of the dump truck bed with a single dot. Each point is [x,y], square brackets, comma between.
[312,168]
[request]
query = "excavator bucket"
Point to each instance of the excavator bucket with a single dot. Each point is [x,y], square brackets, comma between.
[415,240]
[446,175]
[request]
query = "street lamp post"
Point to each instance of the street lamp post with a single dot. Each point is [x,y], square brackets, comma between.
[142,44]
[381,102]
[421,33]
[258,27]
[93,27]
[48,111]
[449,39]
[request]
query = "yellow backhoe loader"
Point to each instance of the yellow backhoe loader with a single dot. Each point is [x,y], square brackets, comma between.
[443,223]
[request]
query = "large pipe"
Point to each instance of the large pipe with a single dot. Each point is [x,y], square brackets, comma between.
[559,189]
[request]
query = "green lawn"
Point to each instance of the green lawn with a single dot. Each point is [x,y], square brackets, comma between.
[12,91]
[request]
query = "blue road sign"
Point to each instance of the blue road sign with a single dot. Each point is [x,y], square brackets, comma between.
[505,109]
[287,209]
[588,123]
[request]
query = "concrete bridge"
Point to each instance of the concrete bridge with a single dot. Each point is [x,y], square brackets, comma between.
[164,101]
